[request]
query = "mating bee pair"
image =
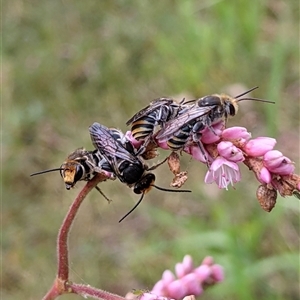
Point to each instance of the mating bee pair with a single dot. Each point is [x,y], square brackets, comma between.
[114,154]
[180,124]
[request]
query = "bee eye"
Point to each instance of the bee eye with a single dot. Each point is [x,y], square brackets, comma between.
[232,110]
[78,173]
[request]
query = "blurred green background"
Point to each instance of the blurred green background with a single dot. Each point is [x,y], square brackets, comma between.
[67,64]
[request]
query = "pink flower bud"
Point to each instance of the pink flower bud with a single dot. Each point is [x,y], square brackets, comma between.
[259,146]
[217,273]
[135,143]
[162,145]
[192,284]
[180,270]
[176,289]
[276,163]
[203,272]
[208,260]
[230,152]
[188,263]
[264,175]
[196,153]
[235,133]
[212,135]
[168,277]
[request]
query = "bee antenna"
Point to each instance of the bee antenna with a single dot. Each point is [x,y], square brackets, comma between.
[256,99]
[247,92]
[169,190]
[46,171]
[137,204]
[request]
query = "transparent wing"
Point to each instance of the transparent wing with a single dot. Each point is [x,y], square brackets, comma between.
[110,148]
[192,114]
[150,108]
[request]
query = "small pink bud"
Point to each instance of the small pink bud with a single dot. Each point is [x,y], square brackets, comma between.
[179,270]
[235,133]
[217,273]
[158,287]
[212,135]
[176,289]
[188,263]
[208,260]
[272,159]
[264,175]
[276,163]
[168,277]
[229,151]
[203,272]
[196,153]
[259,146]
[192,284]
[162,145]
[135,143]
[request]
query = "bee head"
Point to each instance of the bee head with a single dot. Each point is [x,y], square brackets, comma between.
[71,172]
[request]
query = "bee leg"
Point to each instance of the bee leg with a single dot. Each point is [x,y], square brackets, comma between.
[159,164]
[99,190]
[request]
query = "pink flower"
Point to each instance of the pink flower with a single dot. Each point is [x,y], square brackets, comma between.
[236,133]
[259,146]
[276,163]
[265,175]
[197,154]
[223,172]
[135,143]
[190,282]
[212,135]
[230,152]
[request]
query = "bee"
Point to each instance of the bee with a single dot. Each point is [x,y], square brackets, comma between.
[126,164]
[81,165]
[186,128]
[158,112]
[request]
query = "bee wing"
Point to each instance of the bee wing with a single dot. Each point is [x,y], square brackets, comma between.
[189,115]
[110,148]
[148,109]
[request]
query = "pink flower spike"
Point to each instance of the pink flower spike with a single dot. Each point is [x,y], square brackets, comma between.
[264,175]
[235,133]
[259,146]
[230,152]
[223,172]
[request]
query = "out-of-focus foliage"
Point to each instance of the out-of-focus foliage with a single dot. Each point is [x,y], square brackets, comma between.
[67,64]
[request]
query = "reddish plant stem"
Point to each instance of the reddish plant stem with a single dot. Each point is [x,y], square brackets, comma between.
[86,290]
[60,285]
[62,240]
